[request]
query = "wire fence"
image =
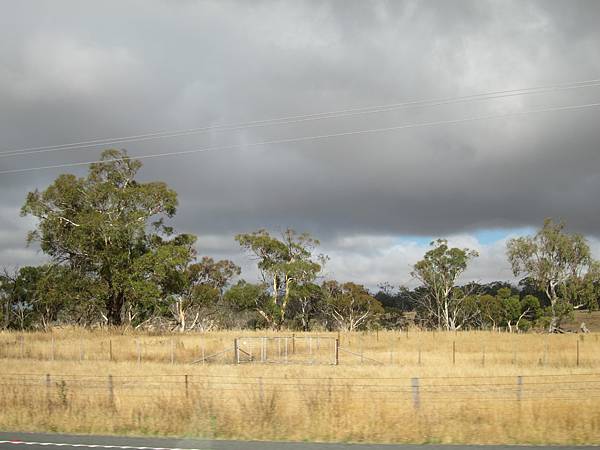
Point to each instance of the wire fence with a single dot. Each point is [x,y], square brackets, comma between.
[415,391]
[422,349]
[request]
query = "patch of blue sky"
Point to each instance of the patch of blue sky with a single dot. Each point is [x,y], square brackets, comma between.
[491,235]
[484,236]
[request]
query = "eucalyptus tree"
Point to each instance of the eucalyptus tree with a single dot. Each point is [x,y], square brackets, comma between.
[350,305]
[560,264]
[102,225]
[438,272]
[287,265]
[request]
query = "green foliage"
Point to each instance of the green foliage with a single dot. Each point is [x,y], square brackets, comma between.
[287,265]
[105,226]
[440,303]
[560,264]
[350,305]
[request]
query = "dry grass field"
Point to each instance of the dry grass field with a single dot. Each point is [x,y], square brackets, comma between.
[466,387]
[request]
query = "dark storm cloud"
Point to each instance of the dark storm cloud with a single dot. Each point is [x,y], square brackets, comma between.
[71,70]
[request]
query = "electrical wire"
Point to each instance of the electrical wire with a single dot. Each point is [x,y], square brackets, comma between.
[286,120]
[317,137]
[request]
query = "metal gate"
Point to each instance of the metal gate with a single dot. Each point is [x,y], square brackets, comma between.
[286,349]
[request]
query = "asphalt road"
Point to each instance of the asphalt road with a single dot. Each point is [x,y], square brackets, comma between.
[39,441]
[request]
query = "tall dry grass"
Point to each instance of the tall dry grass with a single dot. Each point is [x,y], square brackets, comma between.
[475,399]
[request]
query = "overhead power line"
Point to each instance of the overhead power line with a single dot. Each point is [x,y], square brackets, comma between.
[319,137]
[294,119]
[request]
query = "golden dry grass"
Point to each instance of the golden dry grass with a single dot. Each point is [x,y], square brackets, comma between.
[473,400]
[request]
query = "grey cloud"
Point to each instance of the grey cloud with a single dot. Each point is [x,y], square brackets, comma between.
[70,71]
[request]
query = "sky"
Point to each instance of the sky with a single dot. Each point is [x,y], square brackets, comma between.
[73,71]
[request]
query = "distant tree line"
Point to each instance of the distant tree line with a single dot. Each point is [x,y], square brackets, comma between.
[115,261]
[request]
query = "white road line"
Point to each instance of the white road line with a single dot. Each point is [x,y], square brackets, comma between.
[124,447]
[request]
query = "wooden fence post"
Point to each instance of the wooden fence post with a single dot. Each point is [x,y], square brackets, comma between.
[416,392]
[172,351]
[48,388]
[236,353]
[337,352]
[519,388]
[111,391]
[577,352]
[187,393]
[454,352]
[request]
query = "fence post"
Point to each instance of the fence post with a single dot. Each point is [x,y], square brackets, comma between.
[48,388]
[577,352]
[286,349]
[139,351]
[293,343]
[187,393]
[110,355]
[22,340]
[362,358]
[172,351]
[81,353]
[416,393]
[337,352]
[519,388]
[52,348]
[111,391]
[236,353]
[454,352]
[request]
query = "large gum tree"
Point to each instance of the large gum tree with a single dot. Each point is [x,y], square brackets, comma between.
[102,224]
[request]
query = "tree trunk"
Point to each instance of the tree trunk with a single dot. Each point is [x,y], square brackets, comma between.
[114,306]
